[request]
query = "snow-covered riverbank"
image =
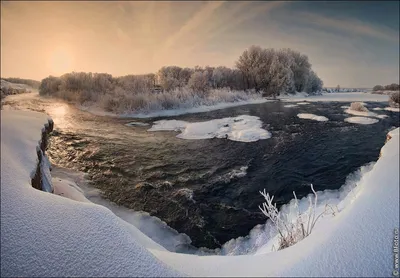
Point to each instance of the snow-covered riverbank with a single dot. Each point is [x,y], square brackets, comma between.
[89,240]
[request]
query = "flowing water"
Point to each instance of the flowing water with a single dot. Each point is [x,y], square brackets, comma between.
[209,189]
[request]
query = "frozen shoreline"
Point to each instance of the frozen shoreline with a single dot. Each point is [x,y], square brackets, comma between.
[300,99]
[117,248]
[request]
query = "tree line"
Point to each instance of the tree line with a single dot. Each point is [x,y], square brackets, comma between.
[32,83]
[391,87]
[267,71]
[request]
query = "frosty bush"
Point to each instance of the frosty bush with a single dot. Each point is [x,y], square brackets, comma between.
[394,99]
[358,106]
[290,232]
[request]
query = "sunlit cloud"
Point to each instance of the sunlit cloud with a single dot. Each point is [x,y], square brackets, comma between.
[193,23]
[350,26]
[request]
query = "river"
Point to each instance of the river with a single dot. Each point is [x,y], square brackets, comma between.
[209,189]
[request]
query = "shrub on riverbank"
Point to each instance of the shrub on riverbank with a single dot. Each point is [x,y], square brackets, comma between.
[394,99]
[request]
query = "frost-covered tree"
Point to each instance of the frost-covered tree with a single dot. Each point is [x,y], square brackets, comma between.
[136,84]
[377,88]
[300,67]
[198,82]
[314,83]
[49,85]
[170,77]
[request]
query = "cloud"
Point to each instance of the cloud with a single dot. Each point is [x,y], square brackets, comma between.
[229,19]
[350,26]
[193,23]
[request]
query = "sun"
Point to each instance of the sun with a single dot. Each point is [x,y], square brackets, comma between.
[60,61]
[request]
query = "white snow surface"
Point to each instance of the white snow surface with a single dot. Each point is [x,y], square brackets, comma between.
[357,242]
[393,109]
[312,117]
[361,120]
[43,234]
[243,128]
[290,105]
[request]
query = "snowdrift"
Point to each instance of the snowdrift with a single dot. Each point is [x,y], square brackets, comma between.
[43,234]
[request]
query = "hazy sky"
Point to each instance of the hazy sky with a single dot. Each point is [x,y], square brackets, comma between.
[354,44]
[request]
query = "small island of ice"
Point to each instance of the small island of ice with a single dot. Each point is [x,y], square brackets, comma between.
[361,120]
[360,113]
[312,117]
[243,128]
[393,109]
[137,124]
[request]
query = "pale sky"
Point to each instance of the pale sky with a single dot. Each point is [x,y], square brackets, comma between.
[354,44]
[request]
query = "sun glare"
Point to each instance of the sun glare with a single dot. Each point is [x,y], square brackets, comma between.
[60,61]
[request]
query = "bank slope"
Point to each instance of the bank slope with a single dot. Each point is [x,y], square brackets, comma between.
[43,234]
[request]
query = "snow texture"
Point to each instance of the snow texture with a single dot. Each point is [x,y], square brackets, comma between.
[290,105]
[43,234]
[312,117]
[361,120]
[303,103]
[243,128]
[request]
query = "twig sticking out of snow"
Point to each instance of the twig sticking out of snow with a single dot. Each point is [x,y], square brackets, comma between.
[291,232]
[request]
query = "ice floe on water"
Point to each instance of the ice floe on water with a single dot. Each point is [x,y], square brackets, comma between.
[361,120]
[360,113]
[393,109]
[382,116]
[290,105]
[303,103]
[312,117]
[137,124]
[376,108]
[243,128]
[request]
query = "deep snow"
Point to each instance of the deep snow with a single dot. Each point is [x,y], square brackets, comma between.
[43,234]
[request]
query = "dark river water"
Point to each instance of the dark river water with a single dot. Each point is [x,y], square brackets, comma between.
[209,189]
